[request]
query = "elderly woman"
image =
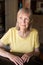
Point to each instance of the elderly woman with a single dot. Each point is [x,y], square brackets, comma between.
[22,39]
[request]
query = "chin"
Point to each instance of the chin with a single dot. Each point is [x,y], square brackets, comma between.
[24,28]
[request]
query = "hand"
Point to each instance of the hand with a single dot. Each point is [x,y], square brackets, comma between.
[16,59]
[25,58]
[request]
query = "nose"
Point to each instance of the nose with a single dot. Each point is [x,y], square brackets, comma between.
[24,21]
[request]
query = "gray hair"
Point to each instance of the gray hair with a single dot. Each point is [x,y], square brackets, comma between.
[27,11]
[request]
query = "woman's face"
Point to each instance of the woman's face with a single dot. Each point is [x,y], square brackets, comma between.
[23,20]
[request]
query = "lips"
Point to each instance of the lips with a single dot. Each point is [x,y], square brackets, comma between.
[23,25]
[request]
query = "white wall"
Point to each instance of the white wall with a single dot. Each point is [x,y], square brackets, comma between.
[11,8]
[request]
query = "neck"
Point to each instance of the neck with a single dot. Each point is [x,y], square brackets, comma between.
[23,31]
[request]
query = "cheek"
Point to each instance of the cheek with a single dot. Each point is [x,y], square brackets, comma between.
[19,24]
[27,24]
[19,21]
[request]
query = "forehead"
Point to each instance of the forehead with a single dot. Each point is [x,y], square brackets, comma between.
[22,13]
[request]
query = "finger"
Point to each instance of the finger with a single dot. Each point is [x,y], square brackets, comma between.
[19,62]
[24,59]
[27,60]
[14,62]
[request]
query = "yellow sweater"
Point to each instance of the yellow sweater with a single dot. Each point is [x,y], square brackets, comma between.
[19,44]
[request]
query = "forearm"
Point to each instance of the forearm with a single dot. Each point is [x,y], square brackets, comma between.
[17,60]
[30,54]
[4,53]
[36,52]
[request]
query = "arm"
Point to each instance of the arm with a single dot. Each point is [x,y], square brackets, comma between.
[27,56]
[4,41]
[36,44]
[17,60]
[36,52]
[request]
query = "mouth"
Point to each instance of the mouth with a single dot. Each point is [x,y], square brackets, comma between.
[23,25]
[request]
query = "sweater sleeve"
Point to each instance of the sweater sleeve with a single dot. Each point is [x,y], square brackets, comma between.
[37,44]
[6,37]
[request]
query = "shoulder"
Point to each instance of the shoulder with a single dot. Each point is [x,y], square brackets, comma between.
[34,31]
[12,29]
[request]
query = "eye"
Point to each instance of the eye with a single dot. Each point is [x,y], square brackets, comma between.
[26,19]
[20,17]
